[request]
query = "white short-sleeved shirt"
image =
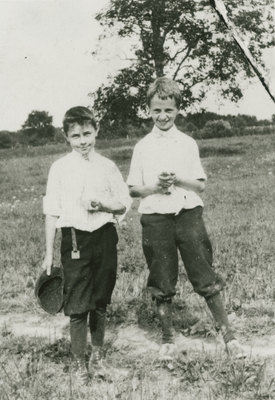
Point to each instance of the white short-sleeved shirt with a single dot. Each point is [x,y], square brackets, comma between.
[74,181]
[169,151]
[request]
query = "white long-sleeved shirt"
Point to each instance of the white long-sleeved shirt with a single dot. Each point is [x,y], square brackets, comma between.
[166,151]
[74,181]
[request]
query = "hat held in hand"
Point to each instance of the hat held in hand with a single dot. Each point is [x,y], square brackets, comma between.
[49,290]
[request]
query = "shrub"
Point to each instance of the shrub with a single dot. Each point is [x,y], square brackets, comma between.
[5,140]
[190,127]
[259,130]
[59,136]
[216,129]
[126,130]
[37,136]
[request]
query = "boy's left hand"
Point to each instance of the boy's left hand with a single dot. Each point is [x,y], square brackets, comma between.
[95,205]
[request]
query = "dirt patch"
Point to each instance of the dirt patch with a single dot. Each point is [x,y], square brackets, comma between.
[137,340]
[51,327]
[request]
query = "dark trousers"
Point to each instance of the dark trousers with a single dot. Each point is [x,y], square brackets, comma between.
[162,236]
[89,280]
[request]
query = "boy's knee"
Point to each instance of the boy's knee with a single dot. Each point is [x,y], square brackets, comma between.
[78,318]
[211,289]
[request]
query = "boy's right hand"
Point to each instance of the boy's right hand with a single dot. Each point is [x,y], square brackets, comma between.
[159,189]
[47,263]
[166,179]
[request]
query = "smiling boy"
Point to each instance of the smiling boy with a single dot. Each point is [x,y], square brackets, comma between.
[85,196]
[167,175]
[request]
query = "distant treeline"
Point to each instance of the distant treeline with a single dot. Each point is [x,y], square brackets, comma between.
[201,125]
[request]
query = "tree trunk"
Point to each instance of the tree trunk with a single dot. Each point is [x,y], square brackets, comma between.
[158,14]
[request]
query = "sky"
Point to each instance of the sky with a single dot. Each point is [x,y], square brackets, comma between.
[46,62]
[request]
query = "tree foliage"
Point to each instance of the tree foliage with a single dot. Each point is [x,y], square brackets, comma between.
[38,119]
[186,41]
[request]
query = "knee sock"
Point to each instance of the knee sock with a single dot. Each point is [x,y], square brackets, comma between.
[97,326]
[215,305]
[164,312]
[78,332]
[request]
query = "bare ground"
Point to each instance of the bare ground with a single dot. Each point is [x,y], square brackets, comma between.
[137,340]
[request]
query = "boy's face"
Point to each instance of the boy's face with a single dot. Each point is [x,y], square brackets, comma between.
[163,112]
[82,137]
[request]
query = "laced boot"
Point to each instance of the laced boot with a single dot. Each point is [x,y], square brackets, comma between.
[97,365]
[80,372]
[97,327]
[233,347]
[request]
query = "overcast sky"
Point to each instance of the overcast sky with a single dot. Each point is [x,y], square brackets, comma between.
[46,61]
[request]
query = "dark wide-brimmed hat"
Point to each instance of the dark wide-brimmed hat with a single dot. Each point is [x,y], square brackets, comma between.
[49,290]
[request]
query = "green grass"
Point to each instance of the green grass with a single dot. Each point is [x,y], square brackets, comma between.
[239,214]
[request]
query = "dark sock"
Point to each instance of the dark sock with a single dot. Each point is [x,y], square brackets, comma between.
[97,326]
[164,309]
[78,332]
[215,305]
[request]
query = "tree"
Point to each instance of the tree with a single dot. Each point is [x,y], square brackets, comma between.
[38,119]
[185,40]
[37,129]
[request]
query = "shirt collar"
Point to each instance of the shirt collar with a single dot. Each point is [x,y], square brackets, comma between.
[78,156]
[172,133]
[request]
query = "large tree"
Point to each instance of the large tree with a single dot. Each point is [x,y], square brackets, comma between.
[38,119]
[186,40]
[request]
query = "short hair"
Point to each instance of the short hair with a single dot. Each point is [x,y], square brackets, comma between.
[164,87]
[78,115]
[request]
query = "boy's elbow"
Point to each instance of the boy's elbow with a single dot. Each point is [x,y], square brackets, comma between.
[133,192]
[201,187]
[122,210]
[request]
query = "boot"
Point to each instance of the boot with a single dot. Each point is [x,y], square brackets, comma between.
[232,345]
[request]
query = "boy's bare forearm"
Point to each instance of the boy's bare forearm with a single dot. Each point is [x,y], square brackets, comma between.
[50,231]
[196,185]
[114,207]
[111,206]
[145,190]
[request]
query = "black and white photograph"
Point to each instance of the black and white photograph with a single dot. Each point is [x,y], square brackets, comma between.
[137,200]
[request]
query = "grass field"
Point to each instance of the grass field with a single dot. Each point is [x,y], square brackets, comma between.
[239,214]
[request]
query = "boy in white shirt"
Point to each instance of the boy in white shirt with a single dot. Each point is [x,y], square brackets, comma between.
[85,196]
[166,173]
